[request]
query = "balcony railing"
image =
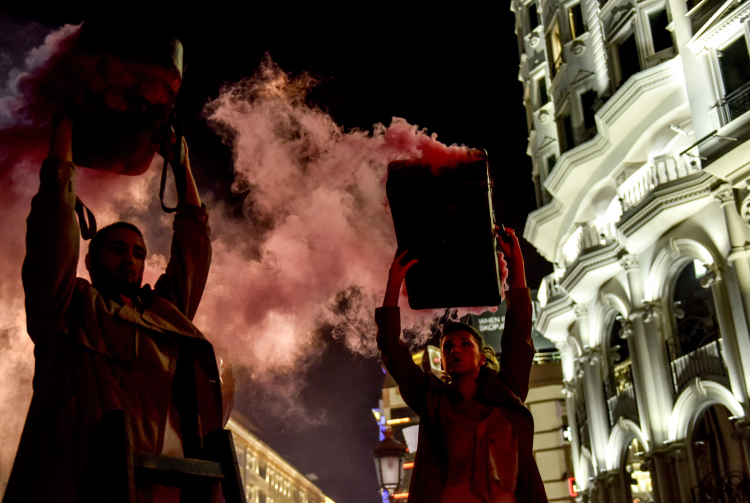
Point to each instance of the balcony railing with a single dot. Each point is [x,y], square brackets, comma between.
[621,401]
[737,103]
[706,361]
[729,488]
[587,236]
[662,170]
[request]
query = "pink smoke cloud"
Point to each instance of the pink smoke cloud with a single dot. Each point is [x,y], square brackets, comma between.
[312,249]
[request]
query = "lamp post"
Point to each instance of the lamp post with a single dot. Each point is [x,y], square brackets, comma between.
[389,457]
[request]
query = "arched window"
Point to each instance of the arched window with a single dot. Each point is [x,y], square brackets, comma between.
[694,348]
[618,383]
[693,310]
[718,458]
[638,479]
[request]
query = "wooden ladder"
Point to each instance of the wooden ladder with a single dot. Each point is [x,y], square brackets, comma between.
[114,469]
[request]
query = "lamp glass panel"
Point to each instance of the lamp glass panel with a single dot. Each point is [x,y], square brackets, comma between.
[390,470]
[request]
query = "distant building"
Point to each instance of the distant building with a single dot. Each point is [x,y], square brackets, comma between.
[268,478]
[639,119]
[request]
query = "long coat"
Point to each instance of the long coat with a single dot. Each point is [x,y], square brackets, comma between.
[94,355]
[427,395]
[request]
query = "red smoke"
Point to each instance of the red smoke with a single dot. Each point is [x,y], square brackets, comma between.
[312,249]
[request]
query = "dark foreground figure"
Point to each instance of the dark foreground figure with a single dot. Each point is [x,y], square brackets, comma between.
[475,434]
[111,345]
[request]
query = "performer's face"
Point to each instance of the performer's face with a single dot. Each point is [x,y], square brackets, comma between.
[461,354]
[119,265]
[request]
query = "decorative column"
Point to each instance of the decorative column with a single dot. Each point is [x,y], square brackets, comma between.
[742,426]
[665,475]
[575,442]
[590,366]
[739,262]
[714,279]
[653,367]
[640,389]
[678,455]
[617,493]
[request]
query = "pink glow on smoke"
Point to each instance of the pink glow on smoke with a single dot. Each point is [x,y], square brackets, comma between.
[312,249]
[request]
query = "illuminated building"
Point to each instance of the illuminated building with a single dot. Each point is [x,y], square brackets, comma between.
[638,133]
[267,477]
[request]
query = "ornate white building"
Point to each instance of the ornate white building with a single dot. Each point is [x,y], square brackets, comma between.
[268,478]
[638,131]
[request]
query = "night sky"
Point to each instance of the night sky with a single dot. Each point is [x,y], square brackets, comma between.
[452,71]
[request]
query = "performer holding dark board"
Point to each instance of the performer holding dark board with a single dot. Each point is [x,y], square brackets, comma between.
[475,434]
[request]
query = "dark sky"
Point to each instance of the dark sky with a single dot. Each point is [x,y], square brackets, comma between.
[453,71]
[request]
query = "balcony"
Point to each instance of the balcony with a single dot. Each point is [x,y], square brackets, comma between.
[620,394]
[588,236]
[704,362]
[662,170]
[734,486]
[737,103]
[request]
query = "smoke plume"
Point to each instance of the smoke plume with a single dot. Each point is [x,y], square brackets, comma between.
[310,250]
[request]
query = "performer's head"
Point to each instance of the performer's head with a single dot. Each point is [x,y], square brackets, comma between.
[116,259]
[464,351]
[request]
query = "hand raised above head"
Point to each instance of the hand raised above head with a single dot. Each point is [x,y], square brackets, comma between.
[514,257]
[396,275]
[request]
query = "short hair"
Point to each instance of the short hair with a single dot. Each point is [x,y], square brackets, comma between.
[96,243]
[484,348]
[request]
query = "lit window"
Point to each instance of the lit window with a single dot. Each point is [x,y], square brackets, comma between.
[555,49]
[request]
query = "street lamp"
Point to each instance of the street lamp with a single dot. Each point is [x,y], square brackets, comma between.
[389,456]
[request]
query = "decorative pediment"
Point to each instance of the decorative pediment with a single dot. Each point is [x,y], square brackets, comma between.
[725,23]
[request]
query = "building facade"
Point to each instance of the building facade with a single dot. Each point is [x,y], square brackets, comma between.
[267,477]
[638,133]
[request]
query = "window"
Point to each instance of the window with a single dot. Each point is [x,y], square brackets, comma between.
[734,61]
[588,99]
[693,310]
[532,15]
[555,49]
[541,86]
[575,15]
[551,161]
[627,58]
[565,132]
[660,36]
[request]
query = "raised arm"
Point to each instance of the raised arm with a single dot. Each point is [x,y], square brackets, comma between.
[412,381]
[49,268]
[517,347]
[190,258]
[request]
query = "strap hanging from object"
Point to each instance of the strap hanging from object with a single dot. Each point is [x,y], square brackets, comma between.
[87,225]
[173,126]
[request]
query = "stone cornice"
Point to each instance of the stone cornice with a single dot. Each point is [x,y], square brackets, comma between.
[612,110]
[587,262]
[539,217]
[557,306]
[681,191]
[715,35]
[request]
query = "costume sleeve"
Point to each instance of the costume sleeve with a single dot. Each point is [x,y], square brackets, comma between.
[185,278]
[49,268]
[517,347]
[412,381]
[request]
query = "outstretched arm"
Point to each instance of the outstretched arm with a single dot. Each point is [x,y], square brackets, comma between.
[49,268]
[185,278]
[411,379]
[517,347]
